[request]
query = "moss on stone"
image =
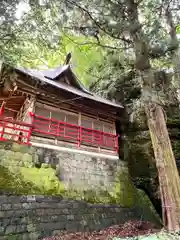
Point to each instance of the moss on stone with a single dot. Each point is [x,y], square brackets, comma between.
[27,160]
[19,175]
[124,190]
[27,179]
[44,179]
[11,181]
[20,148]
[144,204]
[19,163]
[45,165]
[91,196]
[30,181]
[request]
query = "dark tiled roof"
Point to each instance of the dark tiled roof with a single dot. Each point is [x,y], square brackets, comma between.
[48,76]
[54,73]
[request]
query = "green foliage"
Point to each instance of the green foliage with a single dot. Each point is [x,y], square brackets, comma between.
[178,29]
[85,57]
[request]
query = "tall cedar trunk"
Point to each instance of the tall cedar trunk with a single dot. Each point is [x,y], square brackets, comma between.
[175,46]
[166,166]
[165,161]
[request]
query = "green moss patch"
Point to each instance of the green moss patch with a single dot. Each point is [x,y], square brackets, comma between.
[124,191]
[21,148]
[18,174]
[30,181]
[145,205]
[44,179]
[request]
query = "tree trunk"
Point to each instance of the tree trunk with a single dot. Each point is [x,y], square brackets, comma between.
[175,54]
[165,161]
[166,166]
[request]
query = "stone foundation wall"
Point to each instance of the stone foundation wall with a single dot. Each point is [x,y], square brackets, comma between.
[31,218]
[80,170]
[75,170]
[39,171]
[83,171]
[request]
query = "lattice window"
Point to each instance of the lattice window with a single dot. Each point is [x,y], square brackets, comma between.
[86,122]
[67,126]
[42,112]
[98,125]
[101,137]
[53,126]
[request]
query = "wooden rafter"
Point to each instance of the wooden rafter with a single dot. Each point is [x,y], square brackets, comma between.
[12,97]
[11,110]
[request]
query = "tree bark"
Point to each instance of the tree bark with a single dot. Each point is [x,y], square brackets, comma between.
[175,53]
[166,166]
[165,160]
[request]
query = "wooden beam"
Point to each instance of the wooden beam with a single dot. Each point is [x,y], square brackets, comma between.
[10,109]
[12,97]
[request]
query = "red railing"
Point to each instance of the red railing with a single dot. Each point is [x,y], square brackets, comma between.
[52,128]
[15,131]
[73,133]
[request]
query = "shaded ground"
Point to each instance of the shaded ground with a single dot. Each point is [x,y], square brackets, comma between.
[129,229]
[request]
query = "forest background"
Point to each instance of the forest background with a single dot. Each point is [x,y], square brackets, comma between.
[124,50]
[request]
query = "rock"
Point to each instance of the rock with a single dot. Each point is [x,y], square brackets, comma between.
[21,228]
[45,165]
[70,217]
[10,229]
[25,236]
[31,227]
[6,206]
[2,230]
[34,235]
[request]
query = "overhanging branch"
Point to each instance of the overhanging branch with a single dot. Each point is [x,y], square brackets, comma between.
[97,23]
[97,44]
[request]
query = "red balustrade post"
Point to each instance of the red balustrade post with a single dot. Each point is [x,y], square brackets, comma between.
[32,115]
[2,109]
[79,136]
[49,125]
[2,132]
[57,130]
[100,139]
[64,130]
[117,143]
